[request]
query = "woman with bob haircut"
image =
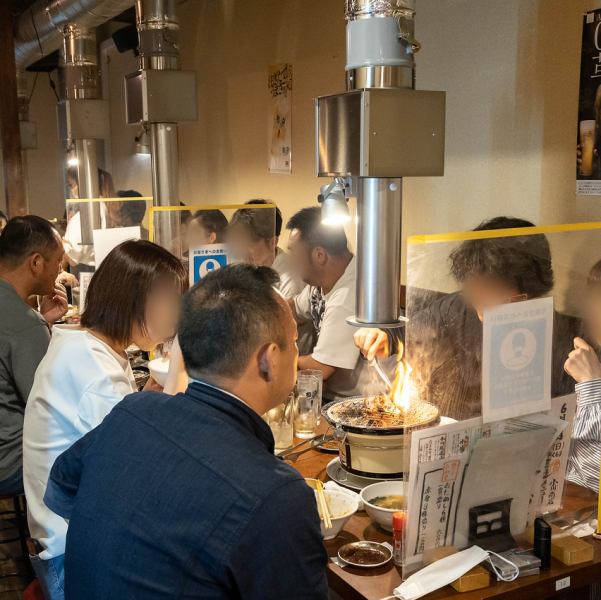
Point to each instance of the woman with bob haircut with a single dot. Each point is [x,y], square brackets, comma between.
[133,298]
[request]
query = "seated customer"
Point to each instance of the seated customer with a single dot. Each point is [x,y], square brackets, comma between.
[490,271]
[133,298]
[132,212]
[182,497]
[206,227]
[584,366]
[254,235]
[31,254]
[320,254]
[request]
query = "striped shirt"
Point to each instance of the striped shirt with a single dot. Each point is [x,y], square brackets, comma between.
[585,451]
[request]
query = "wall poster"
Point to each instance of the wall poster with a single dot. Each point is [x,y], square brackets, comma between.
[280,118]
[588,163]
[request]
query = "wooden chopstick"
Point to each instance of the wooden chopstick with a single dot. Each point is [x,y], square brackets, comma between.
[325,511]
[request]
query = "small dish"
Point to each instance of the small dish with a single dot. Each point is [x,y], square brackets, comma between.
[365,555]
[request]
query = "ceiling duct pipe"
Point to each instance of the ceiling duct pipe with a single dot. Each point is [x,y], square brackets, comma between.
[44,22]
[83,119]
[158,96]
[377,132]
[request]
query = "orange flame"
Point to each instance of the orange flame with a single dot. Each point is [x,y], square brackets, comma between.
[399,397]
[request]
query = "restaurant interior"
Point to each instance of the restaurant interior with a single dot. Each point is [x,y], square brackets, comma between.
[300,299]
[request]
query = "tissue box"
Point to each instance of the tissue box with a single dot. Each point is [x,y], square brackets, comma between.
[571,550]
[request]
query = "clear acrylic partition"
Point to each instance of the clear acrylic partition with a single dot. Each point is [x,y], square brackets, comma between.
[476,482]
[89,219]
[224,234]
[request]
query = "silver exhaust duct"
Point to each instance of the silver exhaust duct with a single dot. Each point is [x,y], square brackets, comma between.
[80,83]
[158,96]
[378,56]
[46,20]
[377,132]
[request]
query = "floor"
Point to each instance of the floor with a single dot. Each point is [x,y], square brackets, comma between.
[11,586]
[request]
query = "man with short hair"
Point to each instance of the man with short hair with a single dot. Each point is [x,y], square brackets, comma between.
[31,255]
[320,254]
[181,496]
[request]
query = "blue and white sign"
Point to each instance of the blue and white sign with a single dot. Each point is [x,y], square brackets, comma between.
[205,259]
[516,359]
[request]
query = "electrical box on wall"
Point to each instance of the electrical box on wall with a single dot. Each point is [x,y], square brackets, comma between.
[381,133]
[153,96]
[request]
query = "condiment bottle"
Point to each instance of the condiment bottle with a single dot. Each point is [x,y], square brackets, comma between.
[398,528]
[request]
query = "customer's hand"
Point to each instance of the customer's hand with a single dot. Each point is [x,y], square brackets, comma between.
[372,343]
[68,280]
[54,307]
[582,363]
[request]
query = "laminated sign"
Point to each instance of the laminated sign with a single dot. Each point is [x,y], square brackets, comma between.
[205,259]
[516,359]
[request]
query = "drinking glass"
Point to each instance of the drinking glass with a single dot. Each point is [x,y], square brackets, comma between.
[280,421]
[319,375]
[307,405]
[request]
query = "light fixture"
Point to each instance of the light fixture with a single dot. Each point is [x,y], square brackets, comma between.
[72,161]
[334,203]
[142,142]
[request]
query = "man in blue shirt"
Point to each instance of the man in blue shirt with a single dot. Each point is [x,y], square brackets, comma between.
[181,497]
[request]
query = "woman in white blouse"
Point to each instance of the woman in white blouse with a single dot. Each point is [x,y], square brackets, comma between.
[133,298]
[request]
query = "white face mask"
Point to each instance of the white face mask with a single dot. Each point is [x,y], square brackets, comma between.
[445,571]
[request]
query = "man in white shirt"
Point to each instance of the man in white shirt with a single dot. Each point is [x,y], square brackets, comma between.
[320,254]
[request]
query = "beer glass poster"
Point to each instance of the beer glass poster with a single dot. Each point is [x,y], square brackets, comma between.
[588,163]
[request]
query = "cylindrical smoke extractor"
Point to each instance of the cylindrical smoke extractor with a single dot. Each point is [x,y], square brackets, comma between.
[380,43]
[158,33]
[380,48]
[80,82]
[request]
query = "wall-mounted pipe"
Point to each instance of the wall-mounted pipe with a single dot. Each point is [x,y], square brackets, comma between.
[46,19]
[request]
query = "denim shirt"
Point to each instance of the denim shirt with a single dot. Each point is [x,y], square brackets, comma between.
[181,497]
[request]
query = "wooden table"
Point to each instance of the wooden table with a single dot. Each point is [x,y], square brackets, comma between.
[375,584]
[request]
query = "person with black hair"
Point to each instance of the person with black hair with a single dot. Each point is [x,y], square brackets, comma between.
[206,227]
[86,372]
[254,235]
[31,254]
[491,271]
[133,211]
[204,509]
[320,254]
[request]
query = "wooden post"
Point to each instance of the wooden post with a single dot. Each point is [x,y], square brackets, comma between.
[10,135]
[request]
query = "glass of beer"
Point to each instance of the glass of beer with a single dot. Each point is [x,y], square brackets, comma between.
[587,147]
[307,405]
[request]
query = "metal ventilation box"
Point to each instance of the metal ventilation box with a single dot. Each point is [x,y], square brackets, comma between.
[381,133]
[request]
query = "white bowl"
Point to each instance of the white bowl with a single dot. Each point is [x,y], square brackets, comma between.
[159,367]
[342,505]
[382,516]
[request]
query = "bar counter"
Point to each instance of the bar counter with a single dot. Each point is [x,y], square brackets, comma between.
[376,584]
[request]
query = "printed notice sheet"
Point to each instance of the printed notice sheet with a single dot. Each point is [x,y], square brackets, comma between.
[516,359]
[449,462]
